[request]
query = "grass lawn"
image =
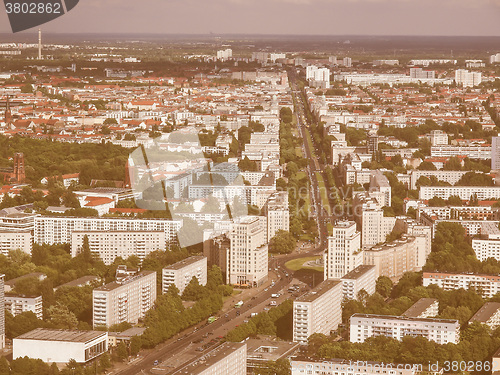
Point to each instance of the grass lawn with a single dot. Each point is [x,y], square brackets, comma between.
[297,264]
[310,143]
[323,193]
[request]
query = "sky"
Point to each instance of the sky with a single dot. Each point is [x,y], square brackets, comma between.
[288,17]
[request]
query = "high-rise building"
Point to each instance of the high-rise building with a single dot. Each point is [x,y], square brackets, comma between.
[333,60]
[2,311]
[361,278]
[125,300]
[372,143]
[495,58]
[15,240]
[181,273]
[225,54]
[277,212]
[344,250]
[495,153]
[247,263]
[467,79]
[317,311]
[347,62]
[419,73]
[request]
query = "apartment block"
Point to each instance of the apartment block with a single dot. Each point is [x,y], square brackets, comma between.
[126,300]
[495,153]
[344,250]
[486,285]
[441,331]
[216,249]
[361,278]
[2,311]
[310,366]
[181,273]
[277,212]
[467,79]
[482,152]
[17,304]
[108,245]
[18,240]
[51,230]
[394,259]
[464,192]
[488,314]
[423,308]
[422,234]
[372,223]
[317,311]
[247,263]
[452,177]
[488,244]
[230,358]
[379,183]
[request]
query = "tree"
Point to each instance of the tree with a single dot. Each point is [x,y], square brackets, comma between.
[454,200]
[437,202]
[427,166]
[4,366]
[265,326]
[110,121]
[193,291]
[384,286]
[60,317]
[283,242]
[122,351]
[246,164]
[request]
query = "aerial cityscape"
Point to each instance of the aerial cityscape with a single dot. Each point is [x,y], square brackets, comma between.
[233,199]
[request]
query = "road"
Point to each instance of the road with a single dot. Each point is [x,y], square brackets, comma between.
[322,217]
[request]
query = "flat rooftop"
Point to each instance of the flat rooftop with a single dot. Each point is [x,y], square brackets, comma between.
[358,272]
[114,285]
[394,317]
[202,363]
[185,262]
[44,334]
[419,307]
[84,280]
[318,291]
[485,312]
[268,348]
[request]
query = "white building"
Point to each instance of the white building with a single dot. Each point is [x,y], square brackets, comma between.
[361,278]
[396,258]
[467,79]
[488,314]
[277,212]
[51,229]
[419,73]
[438,137]
[495,58]
[224,54]
[247,263]
[59,346]
[317,311]
[423,308]
[2,311]
[482,152]
[347,62]
[486,285]
[309,366]
[344,250]
[18,240]
[108,245]
[181,273]
[124,301]
[441,331]
[230,358]
[495,153]
[17,304]
[464,192]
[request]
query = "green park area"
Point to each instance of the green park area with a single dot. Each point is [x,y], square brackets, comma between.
[297,264]
[323,192]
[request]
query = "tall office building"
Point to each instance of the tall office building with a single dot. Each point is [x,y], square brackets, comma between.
[317,311]
[347,62]
[125,300]
[247,262]
[344,250]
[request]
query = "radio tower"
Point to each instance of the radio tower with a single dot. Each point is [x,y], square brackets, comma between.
[39,44]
